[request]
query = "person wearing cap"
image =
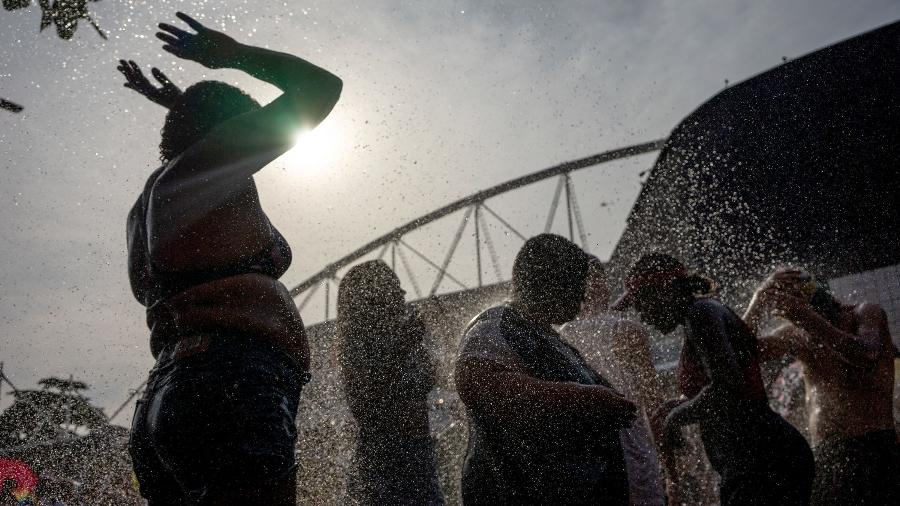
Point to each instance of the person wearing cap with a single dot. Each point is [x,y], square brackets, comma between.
[620,350]
[543,425]
[760,457]
[848,369]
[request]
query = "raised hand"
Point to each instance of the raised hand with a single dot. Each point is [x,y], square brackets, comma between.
[783,280]
[165,95]
[207,47]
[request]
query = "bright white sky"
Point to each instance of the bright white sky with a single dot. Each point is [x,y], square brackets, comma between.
[441,99]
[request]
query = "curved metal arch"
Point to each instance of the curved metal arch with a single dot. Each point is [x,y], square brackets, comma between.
[564,168]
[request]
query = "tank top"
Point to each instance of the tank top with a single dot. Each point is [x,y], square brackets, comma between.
[521,465]
[152,286]
[739,340]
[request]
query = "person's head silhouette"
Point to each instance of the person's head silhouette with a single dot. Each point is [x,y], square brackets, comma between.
[548,278]
[197,111]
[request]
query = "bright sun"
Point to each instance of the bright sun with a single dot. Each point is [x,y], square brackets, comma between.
[315,150]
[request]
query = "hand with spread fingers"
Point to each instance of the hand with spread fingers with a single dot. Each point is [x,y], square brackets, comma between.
[207,47]
[165,95]
[785,280]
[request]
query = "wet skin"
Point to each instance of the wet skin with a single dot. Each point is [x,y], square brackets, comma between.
[631,346]
[371,393]
[507,393]
[845,397]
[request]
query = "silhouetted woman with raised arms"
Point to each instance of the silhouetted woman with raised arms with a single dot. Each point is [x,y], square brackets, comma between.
[387,373]
[216,423]
[760,457]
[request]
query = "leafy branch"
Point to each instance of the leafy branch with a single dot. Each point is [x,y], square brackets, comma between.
[10,106]
[58,408]
[65,14]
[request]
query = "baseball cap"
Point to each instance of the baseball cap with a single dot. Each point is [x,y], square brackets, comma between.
[655,269]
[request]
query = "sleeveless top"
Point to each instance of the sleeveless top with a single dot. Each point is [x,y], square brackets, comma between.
[740,342]
[151,287]
[523,465]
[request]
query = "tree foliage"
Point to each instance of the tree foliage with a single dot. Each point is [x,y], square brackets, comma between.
[58,409]
[64,14]
[10,106]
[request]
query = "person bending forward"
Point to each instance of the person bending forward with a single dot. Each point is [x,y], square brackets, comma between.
[761,458]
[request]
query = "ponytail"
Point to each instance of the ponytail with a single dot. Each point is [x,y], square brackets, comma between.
[696,286]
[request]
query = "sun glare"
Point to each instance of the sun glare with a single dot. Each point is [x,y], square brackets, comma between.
[314,150]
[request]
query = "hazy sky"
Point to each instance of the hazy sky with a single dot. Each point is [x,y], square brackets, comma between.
[440,99]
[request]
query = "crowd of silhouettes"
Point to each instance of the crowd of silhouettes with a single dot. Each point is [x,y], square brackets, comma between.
[563,402]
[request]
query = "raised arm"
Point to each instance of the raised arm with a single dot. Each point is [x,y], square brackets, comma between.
[859,350]
[215,171]
[166,94]
[760,303]
[310,93]
[784,340]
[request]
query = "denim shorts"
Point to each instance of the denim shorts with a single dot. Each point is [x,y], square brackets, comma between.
[217,415]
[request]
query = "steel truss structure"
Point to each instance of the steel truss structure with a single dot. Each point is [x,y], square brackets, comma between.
[393,242]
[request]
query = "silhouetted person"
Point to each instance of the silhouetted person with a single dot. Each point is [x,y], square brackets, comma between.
[620,351]
[543,425]
[216,422]
[761,458]
[387,374]
[848,368]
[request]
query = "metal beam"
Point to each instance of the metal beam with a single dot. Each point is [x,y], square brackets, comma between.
[581,163]
[383,251]
[478,241]
[409,273]
[327,290]
[568,182]
[449,257]
[137,391]
[554,204]
[504,222]
[432,264]
[309,296]
[394,256]
[582,233]
[495,261]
